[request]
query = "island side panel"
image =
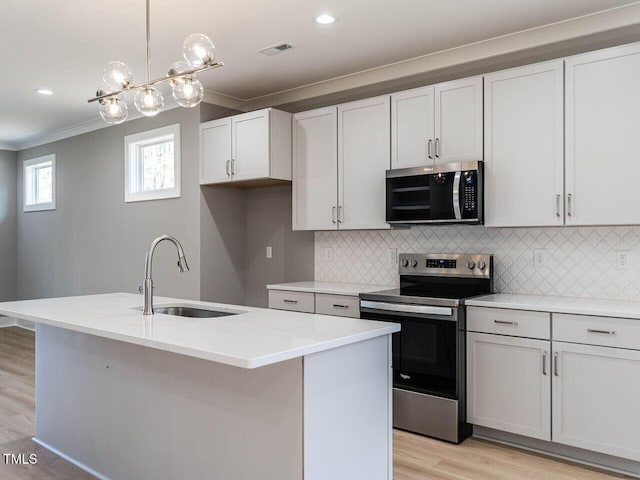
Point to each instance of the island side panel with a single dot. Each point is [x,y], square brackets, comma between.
[127,411]
[348,412]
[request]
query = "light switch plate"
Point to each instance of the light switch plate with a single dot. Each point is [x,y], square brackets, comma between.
[328,253]
[269,252]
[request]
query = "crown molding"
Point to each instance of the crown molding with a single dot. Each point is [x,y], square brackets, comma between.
[227,101]
[595,23]
[10,147]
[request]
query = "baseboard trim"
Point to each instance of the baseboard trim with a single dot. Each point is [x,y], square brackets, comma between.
[14,322]
[577,455]
[69,459]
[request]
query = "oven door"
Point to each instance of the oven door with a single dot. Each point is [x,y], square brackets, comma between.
[426,350]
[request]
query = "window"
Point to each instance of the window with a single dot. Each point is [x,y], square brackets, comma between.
[152,164]
[40,183]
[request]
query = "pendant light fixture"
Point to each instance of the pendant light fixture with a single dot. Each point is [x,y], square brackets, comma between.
[198,52]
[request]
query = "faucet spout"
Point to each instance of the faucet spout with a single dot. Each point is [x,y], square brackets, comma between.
[148,282]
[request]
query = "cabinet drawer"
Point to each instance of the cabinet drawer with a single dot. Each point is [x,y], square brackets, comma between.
[604,331]
[340,305]
[517,323]
[296,301]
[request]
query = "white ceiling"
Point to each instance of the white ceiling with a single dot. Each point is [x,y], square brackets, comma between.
[64,45]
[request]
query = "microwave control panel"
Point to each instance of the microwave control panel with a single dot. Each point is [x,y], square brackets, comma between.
[469,194]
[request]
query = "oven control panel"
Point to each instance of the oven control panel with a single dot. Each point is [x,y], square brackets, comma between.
[446,264]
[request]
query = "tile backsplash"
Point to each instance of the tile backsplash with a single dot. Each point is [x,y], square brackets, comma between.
[578,261]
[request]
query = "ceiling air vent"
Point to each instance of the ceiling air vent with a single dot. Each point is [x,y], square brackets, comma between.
[276,49]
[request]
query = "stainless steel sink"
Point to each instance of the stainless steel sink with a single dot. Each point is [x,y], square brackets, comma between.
[192,311]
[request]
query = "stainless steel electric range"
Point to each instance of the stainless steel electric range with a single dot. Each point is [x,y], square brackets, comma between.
[429,353]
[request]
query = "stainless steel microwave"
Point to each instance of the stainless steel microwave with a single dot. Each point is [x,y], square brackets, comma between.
[447,193]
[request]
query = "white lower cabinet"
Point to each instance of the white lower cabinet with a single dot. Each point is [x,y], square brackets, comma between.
[577,388]
[310,302]
[595,399]
[508,384]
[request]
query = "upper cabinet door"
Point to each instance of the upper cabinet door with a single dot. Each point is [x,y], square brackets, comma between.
[215,151]
[523,123]
[250,143]
[315,169]
[363,158]
[603,114]
[458,120]
[412,130]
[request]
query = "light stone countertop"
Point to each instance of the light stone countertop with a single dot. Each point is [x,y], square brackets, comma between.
[251,339]
[545,303]
[333,288]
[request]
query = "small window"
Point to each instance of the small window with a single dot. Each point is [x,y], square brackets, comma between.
[152,164]
[40,183]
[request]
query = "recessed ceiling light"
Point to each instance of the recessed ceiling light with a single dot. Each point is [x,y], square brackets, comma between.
[325,19]
[43,91]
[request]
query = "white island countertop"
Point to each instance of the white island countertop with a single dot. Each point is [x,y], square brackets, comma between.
[251,339]
[548,303]
[332,288]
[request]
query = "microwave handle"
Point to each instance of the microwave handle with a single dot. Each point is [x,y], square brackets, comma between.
[457,181]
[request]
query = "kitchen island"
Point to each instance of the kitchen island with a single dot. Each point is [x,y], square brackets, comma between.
[258,394]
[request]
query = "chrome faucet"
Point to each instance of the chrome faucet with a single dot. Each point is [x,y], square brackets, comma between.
[147,288]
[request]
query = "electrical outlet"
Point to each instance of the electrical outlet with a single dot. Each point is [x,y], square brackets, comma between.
[393,256]
[622,260]
[269,252]
[539,258]
[328,253]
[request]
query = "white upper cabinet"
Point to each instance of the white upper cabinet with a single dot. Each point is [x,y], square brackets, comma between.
[215,143]
[458,120]
[363,159]
[524,125]
[603,114]
[412,129]
[315,169]
[437,124]
[246,147]
[340,156]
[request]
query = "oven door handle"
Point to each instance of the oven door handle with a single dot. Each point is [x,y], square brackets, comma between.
[405,308]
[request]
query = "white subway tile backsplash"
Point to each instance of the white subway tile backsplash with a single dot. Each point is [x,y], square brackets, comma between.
[579,261]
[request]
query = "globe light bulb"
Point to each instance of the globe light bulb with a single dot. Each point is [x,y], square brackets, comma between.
[176,69]
[189,92]
[113,110]
[117,75]
[149,101]
[198,50]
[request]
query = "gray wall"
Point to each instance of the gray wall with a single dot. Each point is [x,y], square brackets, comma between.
[8,226]
[95,243]
[268,223]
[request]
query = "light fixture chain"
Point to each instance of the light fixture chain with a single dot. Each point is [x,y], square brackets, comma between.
[148,45]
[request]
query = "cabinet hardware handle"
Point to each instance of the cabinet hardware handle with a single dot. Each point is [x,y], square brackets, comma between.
[340,214]
[429,153]
[437,148]
[504,322]
[286,300]
[556,369]
[333,214]
[558,206]
[233,167]
[544,362]
[228,171]
[606,332]
[569,205]
[337,305]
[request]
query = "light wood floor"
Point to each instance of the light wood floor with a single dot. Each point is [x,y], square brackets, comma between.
[415,457]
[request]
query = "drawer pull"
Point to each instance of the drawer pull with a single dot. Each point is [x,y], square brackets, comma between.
[290,301]
[337,305]
[544,362]
[504,322]
[605,332]
[555,365]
